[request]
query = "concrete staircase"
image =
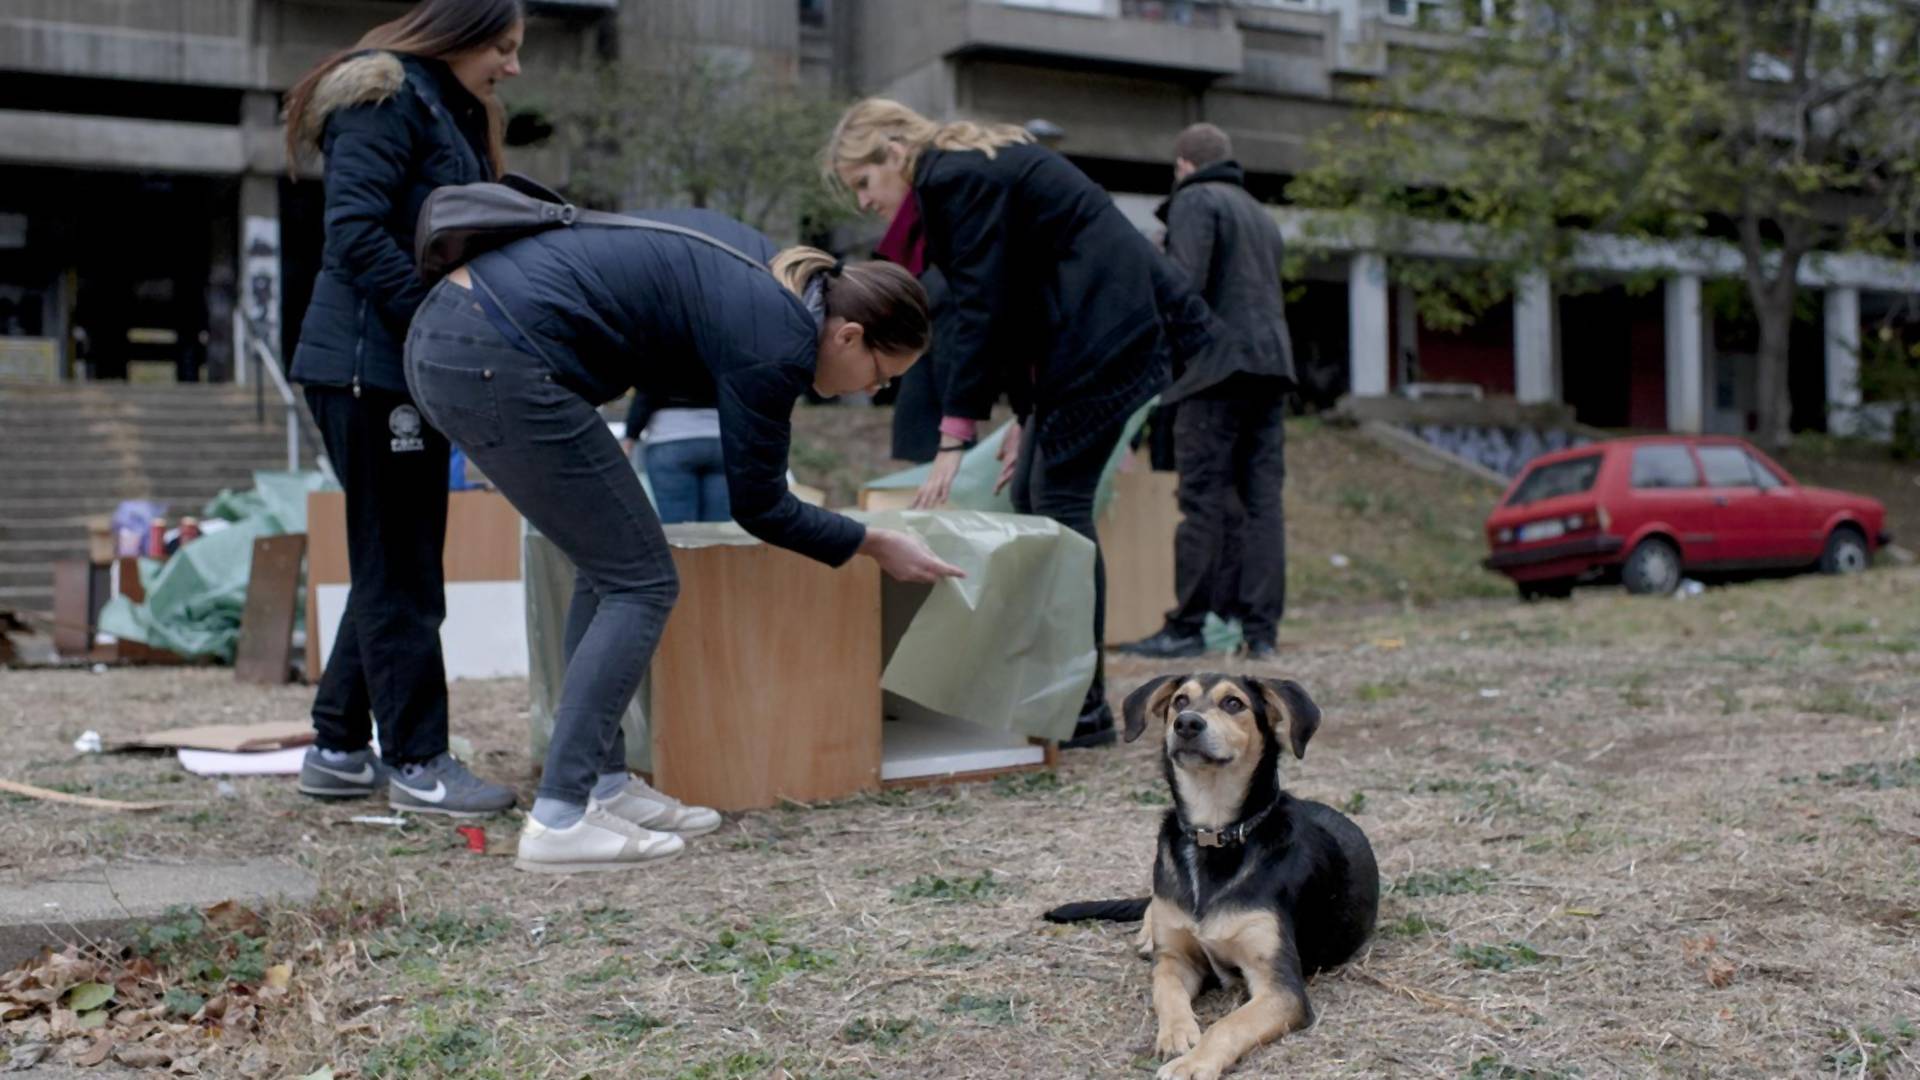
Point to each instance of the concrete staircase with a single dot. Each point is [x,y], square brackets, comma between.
[75,450]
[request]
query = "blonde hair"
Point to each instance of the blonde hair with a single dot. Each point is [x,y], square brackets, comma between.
[889,304]
[869,127]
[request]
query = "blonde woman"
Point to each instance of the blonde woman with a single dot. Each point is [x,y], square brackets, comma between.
[1057,301]
[510,357]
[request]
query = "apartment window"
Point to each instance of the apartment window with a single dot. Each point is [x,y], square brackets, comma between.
[1071,7]
[813,12]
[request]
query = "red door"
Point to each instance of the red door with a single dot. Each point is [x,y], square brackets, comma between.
[1665,492]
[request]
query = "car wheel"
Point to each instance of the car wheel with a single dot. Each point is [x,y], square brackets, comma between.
[1653,569]
[1846,553]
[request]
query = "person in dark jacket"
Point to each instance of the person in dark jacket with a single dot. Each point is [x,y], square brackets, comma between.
[1057,300]
[1230,550]
[510,357]
[916,409]
[411,108]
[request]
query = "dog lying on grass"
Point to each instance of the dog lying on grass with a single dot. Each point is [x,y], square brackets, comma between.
[1250,884]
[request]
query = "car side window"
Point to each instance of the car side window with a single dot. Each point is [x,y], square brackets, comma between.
[1763,475]
[1664,467]
[1727,466]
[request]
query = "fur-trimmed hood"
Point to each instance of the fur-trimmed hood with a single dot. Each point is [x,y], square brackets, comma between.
[366,79]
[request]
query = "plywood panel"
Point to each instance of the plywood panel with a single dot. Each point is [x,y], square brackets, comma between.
[767,682]
[1136,536]
[264,654]
[483,544]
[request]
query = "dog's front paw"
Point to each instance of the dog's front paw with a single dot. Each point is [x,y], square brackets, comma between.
[1188,1068]
[1177,1036]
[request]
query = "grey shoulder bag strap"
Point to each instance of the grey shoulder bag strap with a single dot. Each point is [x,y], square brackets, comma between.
[460,222]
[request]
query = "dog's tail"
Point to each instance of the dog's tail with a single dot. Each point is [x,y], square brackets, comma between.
[1109,910]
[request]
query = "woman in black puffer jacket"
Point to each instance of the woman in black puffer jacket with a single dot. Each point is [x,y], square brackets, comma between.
[409,109]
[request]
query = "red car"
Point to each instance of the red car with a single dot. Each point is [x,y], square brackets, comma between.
[1646,511]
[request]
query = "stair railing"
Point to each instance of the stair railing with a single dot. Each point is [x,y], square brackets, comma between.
[264,355]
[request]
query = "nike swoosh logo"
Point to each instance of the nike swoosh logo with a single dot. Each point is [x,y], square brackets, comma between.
[438,794]
[364,776]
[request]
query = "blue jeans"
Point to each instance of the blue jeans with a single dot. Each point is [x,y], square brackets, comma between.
[549,452]
[689,480]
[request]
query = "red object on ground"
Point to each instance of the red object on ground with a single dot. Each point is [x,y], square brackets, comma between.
[1646,510]
[476,838]
[157,539]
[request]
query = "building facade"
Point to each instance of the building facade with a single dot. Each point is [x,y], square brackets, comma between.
[144,196]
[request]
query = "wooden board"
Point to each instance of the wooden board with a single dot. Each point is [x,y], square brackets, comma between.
[77,585]
[483,544]
[887,498]
[1136,536]
[264,655]
[766,685]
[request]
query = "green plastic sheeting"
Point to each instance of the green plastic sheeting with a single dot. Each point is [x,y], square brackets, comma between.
[1009,647]
[195,599]
[980,469]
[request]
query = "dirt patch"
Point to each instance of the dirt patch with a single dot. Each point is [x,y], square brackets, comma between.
[1605,868]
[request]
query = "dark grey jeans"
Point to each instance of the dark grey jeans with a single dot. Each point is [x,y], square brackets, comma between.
[549,452]
[1230,549]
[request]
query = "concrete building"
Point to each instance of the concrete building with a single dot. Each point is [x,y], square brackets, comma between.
[1122,76]
[143,192]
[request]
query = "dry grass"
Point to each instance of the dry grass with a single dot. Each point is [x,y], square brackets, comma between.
[1680,838]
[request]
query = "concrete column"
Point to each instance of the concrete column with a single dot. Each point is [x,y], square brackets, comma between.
[1686,350]
[1843,359]
[1533,366]
[1367,324]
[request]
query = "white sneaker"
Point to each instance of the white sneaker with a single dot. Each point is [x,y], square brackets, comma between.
[651,809]
[598,841]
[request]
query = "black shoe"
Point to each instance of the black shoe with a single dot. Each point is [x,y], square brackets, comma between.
[1166,645]
[1260,650]
[1095,728]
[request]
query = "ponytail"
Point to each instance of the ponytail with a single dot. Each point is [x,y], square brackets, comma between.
[889,304]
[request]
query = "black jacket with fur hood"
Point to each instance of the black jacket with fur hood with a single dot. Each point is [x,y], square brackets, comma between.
[393,128]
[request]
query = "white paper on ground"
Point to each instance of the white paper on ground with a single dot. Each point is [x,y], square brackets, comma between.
[254,763]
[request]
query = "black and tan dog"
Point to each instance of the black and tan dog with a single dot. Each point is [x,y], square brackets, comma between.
[1249,883]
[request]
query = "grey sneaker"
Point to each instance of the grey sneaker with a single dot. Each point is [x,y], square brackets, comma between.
[357,777]
[444,786]
[640,804]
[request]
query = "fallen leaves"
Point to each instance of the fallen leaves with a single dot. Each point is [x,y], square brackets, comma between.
[1703,952]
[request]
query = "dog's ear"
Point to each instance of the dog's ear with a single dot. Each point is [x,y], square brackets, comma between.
[1150,698]
[1287,698]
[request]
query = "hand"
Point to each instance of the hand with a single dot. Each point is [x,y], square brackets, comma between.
[626,447]
[939,485]
[906,557]
[1009,457]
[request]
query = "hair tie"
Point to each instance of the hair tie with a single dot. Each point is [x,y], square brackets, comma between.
[839,267]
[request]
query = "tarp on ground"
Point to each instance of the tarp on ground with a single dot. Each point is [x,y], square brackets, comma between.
[1009,647]
[980,470]
[196,597]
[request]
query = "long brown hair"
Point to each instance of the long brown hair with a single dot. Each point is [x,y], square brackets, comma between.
[435,29]
[889,304]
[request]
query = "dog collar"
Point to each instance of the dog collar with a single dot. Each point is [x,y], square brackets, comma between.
[1232,836]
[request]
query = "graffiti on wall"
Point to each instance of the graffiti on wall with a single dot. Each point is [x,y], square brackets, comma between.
[1505,450]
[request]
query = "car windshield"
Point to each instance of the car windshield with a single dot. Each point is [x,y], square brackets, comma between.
[1570,477]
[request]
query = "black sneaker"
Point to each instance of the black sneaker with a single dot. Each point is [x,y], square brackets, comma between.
[1166,645]
[1095,728]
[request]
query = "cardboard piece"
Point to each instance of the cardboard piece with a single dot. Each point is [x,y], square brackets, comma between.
[46,795]
[265,653]
[232,738]
[249,763]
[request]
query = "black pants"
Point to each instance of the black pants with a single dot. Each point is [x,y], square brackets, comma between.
[1230,551]
[1062,487]
[386,661]
[549,452]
